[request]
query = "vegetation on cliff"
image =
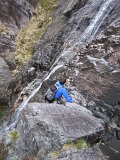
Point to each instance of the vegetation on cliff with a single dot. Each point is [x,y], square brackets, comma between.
[2,27]
[28,35]
[79,144]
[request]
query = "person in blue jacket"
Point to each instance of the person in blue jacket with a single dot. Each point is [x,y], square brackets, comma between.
[61,90]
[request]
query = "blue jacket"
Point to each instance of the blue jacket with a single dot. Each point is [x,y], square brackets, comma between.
[61,91]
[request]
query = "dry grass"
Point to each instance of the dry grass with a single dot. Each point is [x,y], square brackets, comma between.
[28,35]
[79,144]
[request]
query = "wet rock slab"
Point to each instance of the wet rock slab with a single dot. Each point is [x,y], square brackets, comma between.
[49,126]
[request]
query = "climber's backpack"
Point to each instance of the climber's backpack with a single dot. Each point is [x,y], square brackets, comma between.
[49,95]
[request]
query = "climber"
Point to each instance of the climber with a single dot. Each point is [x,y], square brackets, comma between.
[58,90]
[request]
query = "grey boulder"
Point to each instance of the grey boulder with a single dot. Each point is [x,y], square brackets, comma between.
[48,126]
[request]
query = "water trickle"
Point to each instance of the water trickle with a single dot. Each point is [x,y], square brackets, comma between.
[96,22]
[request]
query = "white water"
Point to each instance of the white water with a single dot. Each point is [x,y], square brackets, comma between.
[87,36]
[95,24]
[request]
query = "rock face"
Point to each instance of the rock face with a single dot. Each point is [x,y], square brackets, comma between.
[13,15]
[94,68]
[48,126]
[73,18]
[5,80]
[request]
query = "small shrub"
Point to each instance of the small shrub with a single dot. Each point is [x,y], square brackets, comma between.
[81,143]
[67,145]
[13,135]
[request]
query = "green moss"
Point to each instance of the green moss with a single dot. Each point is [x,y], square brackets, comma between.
[55,154]
[28,35]
[79,144]
[13,135]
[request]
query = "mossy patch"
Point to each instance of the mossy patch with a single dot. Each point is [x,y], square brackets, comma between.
[14,135]
[28,35]
[79,144]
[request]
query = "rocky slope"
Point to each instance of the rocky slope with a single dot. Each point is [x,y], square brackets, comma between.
[82,42]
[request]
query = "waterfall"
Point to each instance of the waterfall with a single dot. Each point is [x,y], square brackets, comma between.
[96,22]
[67,54]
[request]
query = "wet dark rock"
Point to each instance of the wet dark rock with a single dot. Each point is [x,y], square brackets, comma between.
[111,149]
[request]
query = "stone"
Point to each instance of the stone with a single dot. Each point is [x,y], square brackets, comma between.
[47,127]
[31,71]
[5,80]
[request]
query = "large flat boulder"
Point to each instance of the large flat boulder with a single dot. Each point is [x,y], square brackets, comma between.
[49,126]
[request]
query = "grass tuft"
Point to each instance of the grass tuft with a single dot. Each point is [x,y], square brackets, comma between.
[13,135]
[79,144]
